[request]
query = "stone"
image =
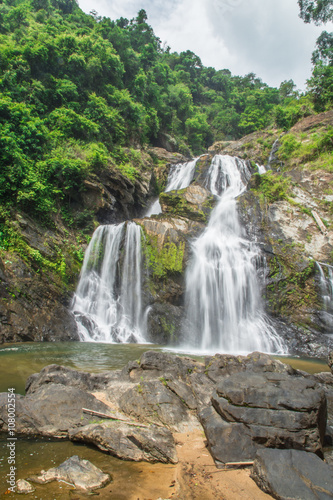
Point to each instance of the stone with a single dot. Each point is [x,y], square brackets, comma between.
[81,473]
[151,401]
[223,365]
[194,202]
[127,442]
[272,409]
[57,374]
[292,474]
[51,410]
[330,360]
[23,487]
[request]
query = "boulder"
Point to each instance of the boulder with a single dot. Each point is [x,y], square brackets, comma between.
[57,374]
[51,410]
[224,365]
[274,410]
[127,442]
[81,473]
[330,360]
[194,202]
[152,401]
[293,474]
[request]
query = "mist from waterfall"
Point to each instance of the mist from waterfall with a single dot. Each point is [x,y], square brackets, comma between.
[108,301]
[223,305]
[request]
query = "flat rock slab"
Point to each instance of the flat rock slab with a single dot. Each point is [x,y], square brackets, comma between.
[81,473]
[293,475]
[149,444]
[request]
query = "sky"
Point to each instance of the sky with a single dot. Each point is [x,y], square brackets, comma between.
[265,37]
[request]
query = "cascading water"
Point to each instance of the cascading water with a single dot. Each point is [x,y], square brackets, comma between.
[326,285]
[107,304]
[181,175]
[224,311]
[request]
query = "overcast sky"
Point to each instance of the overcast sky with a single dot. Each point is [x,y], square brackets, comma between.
[265,37]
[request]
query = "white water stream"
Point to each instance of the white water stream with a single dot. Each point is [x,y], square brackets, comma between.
[326,285]
[107,304]
[224,310]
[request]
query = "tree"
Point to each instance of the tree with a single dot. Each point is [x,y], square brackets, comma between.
[324,50]
[318,11]
[286,89]
[320,84]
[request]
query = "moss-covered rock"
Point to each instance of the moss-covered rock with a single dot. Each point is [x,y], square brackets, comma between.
[194,203]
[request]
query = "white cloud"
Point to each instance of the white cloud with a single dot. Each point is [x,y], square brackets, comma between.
[265,37]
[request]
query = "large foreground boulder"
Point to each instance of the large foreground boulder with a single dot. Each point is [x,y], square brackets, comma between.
[149,444]
[51,410]
[272,410]
[293,474]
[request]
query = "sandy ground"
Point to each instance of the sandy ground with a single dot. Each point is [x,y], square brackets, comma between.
[195,477]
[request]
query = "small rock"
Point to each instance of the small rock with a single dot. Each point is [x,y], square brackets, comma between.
[81,473]
[22,486]
[293,474]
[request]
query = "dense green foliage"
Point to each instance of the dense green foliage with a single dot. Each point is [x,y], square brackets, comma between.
[75,89]
[78,91]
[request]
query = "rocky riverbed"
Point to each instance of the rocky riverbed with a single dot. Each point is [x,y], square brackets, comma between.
[244,405]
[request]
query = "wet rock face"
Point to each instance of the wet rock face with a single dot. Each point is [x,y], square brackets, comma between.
[194,203]
[292,293]
[286,474]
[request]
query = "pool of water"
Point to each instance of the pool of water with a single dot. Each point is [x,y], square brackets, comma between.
[19,361]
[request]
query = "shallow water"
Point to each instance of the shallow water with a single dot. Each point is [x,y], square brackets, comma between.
[19,361]
[34,455]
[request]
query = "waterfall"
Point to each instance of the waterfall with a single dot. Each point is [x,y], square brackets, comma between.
[326,285]
[181,175]
[107,304]
[224,310]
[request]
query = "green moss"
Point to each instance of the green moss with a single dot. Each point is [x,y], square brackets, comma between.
[272,186]
[292,289]
[168,259]
[168,328]
[176,204]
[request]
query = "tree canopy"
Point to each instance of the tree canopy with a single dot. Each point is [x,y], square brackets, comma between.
[317,11]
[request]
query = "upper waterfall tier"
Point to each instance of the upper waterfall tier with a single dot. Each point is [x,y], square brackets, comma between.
[224,310]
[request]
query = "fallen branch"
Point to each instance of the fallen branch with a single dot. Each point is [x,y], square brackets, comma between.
[110,417]
[319,222]
[229,465]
